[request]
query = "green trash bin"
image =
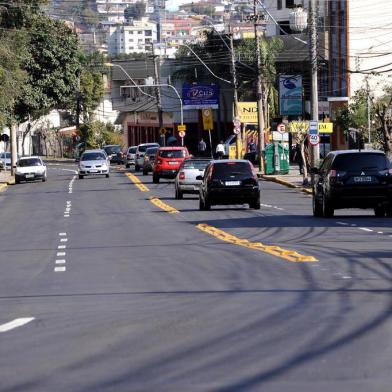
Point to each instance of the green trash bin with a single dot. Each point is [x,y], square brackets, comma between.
[269,159]
[271,166]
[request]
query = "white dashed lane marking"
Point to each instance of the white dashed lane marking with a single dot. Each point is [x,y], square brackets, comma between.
[15,324]
[62,261]
[61,246]
[62,234]
[60,269]
[63,239]
[365,229]
[60,254]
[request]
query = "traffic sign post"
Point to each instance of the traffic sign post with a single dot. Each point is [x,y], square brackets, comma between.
[313,127]
[181,128]
[281,128]
[314,140]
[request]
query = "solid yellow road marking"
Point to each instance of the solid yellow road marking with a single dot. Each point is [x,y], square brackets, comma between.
[137,182]
[289,255]
[159,203]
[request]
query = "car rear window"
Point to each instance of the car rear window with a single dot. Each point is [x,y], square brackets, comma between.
[112,149]
[172,153]
[195,164]
[360,161]
[152,150]
[144,148]
[132,150]
[92,156]
[228,169]
[29,162]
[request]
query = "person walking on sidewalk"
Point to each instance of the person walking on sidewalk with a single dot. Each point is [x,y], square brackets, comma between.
[202,147]
[220,150]
[297,157]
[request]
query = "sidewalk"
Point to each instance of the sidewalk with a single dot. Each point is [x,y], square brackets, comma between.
[6,179]
[293,179]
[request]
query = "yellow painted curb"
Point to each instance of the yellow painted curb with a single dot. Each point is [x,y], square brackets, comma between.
[166,207]
[289,255]
[3,187]
[137,182]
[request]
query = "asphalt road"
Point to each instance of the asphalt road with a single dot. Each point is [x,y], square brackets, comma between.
[103,290]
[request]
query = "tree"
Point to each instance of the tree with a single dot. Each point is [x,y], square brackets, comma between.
[383,115]
[96,134]
[135,11]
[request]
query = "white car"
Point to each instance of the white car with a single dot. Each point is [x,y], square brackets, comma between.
[30,168]
[93,163]
[140,151]
[5,160]
[130,156]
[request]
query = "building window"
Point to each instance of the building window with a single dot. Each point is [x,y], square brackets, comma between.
[130,40]
[290,4]
[148,33]
[279,4]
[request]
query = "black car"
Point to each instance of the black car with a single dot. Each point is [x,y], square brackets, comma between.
[353,179]
[229,181]
[149,159]
[114,153]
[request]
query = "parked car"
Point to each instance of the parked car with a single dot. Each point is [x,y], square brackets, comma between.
[186,181]
[140,151]
[130,156]
[353,179]
[29,169]
[168,161]
[5,160]
[229,181]
[93,163]
[114,153]
[149,159]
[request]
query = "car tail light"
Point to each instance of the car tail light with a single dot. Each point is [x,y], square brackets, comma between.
[182,176]
[210,174]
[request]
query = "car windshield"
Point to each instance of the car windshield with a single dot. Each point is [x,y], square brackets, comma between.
[112,149]
[172,153]
[152,150]
[225,170]
[132,150]
[360,161]
[201,165]
[29,162]
[6,155]
[144,147]
[92,156]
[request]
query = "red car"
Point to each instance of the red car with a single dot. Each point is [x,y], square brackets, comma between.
[167,162]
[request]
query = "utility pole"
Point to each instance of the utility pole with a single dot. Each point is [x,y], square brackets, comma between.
[157,89]
[14,153]
[260,81]
[235,94]
[368,109]
[315,150]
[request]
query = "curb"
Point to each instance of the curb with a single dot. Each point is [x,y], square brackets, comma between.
[286,183]
[3,187]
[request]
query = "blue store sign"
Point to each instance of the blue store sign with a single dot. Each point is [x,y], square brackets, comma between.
[200,96]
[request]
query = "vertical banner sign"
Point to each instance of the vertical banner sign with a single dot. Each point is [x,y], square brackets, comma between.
[290,95]
[208,122]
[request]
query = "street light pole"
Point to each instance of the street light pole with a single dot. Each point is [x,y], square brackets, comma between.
[315,150]
[260,81]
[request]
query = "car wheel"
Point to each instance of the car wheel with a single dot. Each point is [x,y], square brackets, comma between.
[255,204]
[107,175]
[44,178]
[127,166]
[317,207]
[81,177]
[380,212]
[328,209]
[155,178]
[178,194]
[137,168]
[17,180]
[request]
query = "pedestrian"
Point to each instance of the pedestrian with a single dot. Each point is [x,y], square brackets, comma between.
[202,147]
[251,146]
[220,150]
[297,157]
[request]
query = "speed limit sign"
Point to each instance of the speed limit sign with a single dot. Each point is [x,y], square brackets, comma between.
[314,139]
[181,134]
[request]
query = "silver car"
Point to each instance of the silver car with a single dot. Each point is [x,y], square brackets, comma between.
[30,168]
[93,163]
[140,151]
[130,156]
[185,181]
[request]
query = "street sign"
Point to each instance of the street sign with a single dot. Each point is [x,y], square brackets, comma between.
[325,127]
[299,126]
[208,120]
[314,140]
[281,128]
[181,134]
[181,127]
[237,122]
[313,127]
[162,131]
[237,131]
[4,138]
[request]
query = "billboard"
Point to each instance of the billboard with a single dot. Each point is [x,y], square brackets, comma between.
[290,95]
[247,112]
[200,96]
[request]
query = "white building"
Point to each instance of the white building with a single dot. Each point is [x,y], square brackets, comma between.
[134,38]
[113,10]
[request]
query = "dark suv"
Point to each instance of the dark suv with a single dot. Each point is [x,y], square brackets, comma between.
[353,179]
[229,181]
[114,153]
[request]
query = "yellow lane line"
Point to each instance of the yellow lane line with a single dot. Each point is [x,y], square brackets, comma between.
[159,203]
[289,255]
[137,182]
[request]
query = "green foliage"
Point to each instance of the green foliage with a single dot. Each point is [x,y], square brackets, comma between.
[96,134]
[135,11]
[53,65]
